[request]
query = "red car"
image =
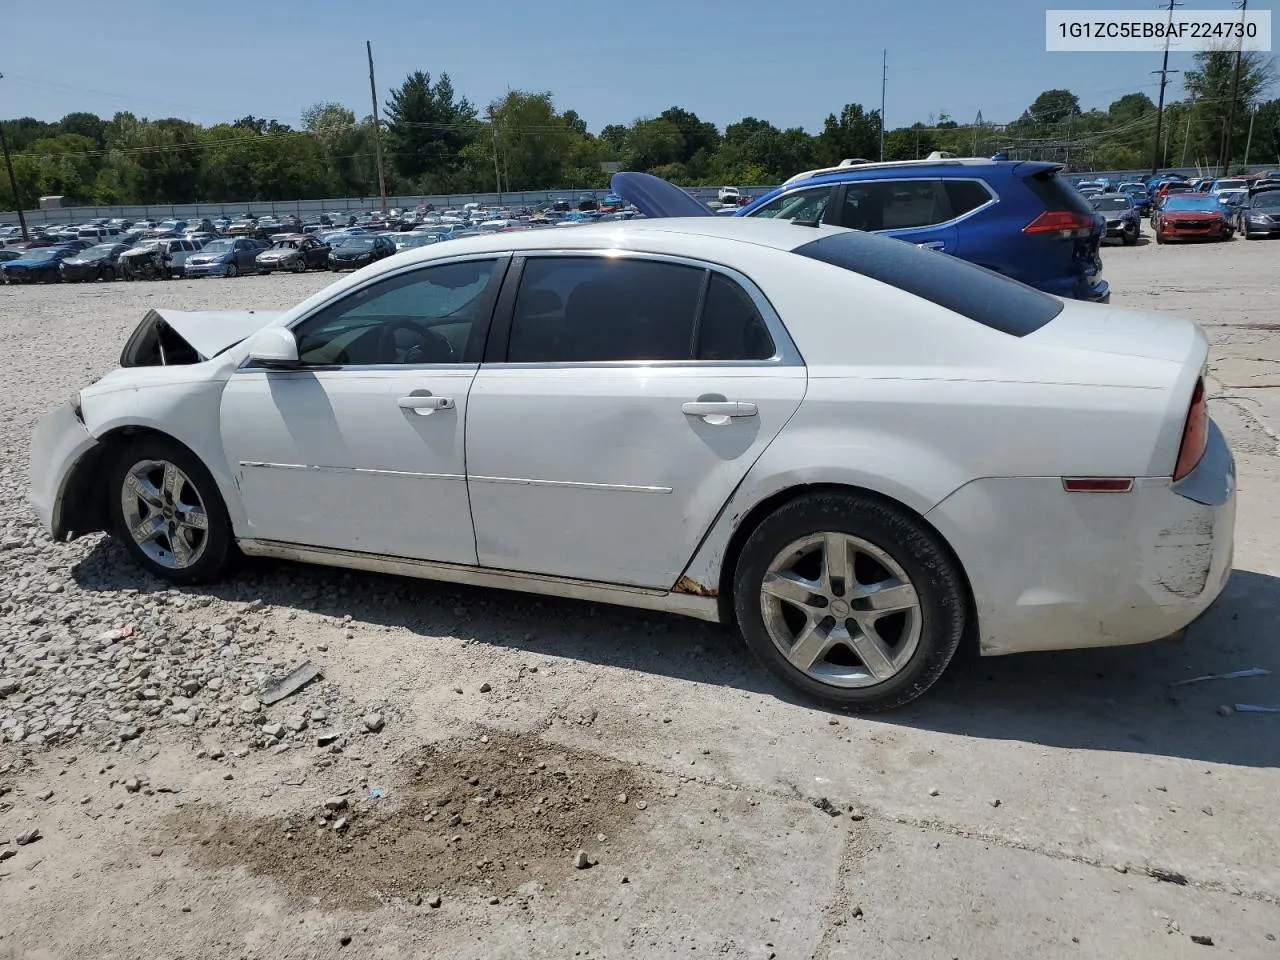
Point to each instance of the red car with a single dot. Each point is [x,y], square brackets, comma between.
[1184,216]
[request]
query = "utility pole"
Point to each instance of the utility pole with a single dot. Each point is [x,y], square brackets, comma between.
[977,125]
[13,181]
[1186,139]
[1253,112]
[1164,72]
[377,128]
[497,175]
[1231,104]
[884,82]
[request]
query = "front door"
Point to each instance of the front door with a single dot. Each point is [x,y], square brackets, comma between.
[634,395]
[361,448]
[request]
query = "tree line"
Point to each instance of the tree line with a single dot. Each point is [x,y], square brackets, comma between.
[436,141]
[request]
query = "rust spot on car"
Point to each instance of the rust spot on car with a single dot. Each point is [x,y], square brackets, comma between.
[693,588]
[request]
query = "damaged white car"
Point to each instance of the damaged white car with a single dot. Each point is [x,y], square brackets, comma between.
[857,452]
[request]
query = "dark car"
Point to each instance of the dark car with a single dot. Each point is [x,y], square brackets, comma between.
[296,252]
[1020,218]
[1124,223]
[38,265]
[97,263]
[1260,215]
[359,251]
[1188,216]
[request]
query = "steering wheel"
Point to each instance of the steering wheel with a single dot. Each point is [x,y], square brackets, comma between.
[430,348]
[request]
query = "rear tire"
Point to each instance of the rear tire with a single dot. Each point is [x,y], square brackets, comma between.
[850,600]
[167,511]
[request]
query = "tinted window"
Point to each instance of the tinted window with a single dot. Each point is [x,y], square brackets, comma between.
[974,292]
[437,314]
[798,205]
[1056,194]
[585,309]
[894,205]
[731,327]
[965,196]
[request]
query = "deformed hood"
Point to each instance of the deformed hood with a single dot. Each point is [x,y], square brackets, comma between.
[166,337]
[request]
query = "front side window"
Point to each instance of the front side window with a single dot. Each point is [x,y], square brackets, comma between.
[606,309]
[438,314]
[808,204]
[894,205]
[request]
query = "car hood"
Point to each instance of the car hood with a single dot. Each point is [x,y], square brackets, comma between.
[207,332]
[655,197]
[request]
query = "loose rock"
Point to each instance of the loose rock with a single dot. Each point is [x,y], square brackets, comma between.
[373,722]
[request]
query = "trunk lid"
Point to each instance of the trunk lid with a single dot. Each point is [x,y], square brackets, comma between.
[655,197]
[1124,332]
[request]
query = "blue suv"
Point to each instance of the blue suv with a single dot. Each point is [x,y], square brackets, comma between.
[1018,218]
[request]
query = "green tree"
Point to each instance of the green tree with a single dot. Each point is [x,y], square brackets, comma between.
[1052,107]
[1210,86]
[854,133]
[427,126]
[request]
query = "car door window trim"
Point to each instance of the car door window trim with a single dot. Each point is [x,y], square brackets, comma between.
[785,354]
[502,264]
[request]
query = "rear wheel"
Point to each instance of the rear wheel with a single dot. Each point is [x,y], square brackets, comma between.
[168,513]
[849,600]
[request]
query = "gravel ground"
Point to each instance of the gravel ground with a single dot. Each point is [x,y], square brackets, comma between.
[483,774]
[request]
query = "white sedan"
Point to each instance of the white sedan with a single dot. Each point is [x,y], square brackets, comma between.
[857,452]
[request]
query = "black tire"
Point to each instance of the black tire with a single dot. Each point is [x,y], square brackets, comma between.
[300,266]
[908,541]
[232,270]
[219,548]
[105,274]
[1129,238]
[1159,237]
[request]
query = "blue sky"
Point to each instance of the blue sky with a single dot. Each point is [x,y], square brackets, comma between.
[790,63]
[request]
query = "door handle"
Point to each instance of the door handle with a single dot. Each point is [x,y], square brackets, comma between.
[425,405]
[932,245]
[718,411]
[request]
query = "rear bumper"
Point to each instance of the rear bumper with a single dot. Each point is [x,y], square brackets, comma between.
[59,442]
[1054,571]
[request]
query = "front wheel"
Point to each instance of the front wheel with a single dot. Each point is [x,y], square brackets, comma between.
[850,600]
[1129,237]
[1159,237]
[168,512]
[300,266]
[232,270]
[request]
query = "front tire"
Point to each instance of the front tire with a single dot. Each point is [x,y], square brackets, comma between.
[232,270]
[300,266]
[850,600]
[168,513]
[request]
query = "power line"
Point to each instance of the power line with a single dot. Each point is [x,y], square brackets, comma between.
[1235,89]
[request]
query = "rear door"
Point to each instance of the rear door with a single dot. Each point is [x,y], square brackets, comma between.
[628,396]
[916,210]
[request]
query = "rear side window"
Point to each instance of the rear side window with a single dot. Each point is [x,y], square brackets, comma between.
[977,293]
[894,205]
[1056,194]
[966,196]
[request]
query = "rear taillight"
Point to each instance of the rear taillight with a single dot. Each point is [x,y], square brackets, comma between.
[1067,224]
[1195,434]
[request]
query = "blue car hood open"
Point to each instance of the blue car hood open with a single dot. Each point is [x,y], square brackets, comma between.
[655,197]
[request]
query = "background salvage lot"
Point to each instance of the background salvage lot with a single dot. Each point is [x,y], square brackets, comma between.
[1017,810]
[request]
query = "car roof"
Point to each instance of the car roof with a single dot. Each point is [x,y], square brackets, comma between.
[659,234]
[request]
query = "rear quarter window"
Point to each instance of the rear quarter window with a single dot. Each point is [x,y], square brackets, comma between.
[974,292]
[1056,194]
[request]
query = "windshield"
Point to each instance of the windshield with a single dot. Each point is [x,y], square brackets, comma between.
[357,243]
[1193,203]
[1132,188]
[1229,185]
[1269,199]
[42,253]
[1113,202]
[218,246]
[98,253]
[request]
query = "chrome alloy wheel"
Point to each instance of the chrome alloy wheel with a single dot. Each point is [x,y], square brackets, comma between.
[164,513]
[841,610]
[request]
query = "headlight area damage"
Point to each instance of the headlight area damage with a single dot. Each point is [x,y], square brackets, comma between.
[168,338]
